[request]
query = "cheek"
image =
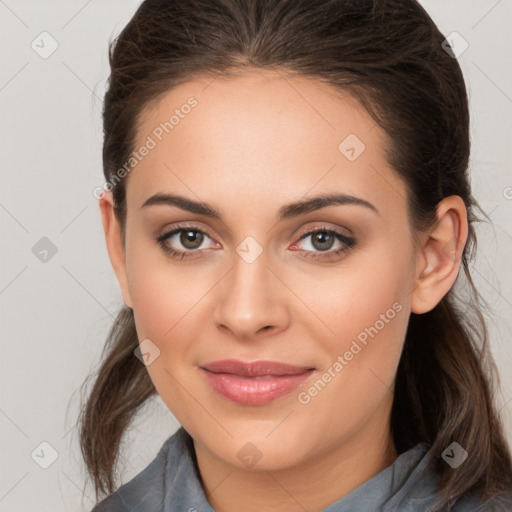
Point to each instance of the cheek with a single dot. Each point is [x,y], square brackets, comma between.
[169,304]
[162,291]
[369,333]
[166,305]
[366,309]
[361,358]
[352,296]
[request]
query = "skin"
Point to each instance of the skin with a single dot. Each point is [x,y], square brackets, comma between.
[253,144]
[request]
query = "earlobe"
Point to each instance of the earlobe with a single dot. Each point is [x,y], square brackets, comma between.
[113,239]
[439,258]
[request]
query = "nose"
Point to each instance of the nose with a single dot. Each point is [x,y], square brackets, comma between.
[251,300]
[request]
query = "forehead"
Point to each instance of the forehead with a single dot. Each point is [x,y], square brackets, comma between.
[263,139]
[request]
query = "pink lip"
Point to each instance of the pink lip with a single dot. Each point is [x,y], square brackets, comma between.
[254,383]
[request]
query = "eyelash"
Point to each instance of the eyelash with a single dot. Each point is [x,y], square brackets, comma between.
[349,243]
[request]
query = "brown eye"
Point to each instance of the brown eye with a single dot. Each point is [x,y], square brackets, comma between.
[183,242]
[322,241]
[186,241]
[191,238]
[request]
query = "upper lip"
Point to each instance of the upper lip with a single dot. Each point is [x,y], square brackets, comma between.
[254,369]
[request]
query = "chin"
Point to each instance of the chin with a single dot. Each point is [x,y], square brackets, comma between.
[254,449]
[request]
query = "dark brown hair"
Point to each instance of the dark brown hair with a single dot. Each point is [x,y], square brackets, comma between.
[388,55]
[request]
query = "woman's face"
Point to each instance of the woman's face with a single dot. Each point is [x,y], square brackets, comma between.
[249,288]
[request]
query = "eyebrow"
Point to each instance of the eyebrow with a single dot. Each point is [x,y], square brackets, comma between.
[286,212]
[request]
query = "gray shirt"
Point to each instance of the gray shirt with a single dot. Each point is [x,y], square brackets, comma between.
[172,483]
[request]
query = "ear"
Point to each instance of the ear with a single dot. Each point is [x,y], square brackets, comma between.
[439,255]
[114,242]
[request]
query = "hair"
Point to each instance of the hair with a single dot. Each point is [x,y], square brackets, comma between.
[388,55]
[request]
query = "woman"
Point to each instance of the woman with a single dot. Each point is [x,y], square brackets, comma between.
[287,209]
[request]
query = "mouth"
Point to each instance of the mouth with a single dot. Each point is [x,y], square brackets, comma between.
[254,383]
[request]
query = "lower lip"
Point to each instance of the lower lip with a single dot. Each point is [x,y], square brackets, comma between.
[254,390]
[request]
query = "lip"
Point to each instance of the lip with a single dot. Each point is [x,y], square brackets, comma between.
[254,383]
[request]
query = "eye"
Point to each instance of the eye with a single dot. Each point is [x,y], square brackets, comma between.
[191,238]
[323,240]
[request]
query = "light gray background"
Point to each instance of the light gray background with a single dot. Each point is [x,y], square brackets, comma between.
[55,315]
